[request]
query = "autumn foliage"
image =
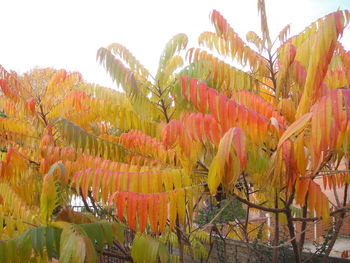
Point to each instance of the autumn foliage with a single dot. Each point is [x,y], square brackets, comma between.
[273,134]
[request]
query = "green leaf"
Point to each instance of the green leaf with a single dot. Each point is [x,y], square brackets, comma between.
[102,233]
[10,251]
[81,137]
[138,249]
[37,235]
[163,253]
[2,252]
[118,231]
[57,234]
[54,166]
[24,245]
[94,232]
[145,249]
[50,242]
[108,233]
[75,246]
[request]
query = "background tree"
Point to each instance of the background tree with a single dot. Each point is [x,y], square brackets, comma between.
[278,124]
[66,140]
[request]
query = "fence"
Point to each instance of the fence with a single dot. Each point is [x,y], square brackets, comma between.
[237,251]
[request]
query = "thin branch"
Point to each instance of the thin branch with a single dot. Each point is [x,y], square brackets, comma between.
[94,203]
[24,222]
[263,208]
[115,255]
[202,165]
[85,203]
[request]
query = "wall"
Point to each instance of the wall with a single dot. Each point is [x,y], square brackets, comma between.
[237,252]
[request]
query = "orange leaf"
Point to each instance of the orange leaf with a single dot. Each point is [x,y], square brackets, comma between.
[173,209]
[163,211]
[302,188]
[180,203]
[31,105]
[312,195]
[295,127]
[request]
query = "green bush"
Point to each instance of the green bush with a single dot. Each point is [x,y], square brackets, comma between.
[231,211]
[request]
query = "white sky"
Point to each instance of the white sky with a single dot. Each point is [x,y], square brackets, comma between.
[67,33]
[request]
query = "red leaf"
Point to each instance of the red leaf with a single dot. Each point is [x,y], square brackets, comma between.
[239,144]
[142,211]
[291,53]
[153,206]
[31,105]
[231,112]
[121,196]
[193,91]
[132,203]
[213,103]
[203,96]
[222,110]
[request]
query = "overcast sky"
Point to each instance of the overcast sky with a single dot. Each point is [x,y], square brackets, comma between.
[67,33]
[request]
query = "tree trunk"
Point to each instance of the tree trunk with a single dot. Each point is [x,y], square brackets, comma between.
[303,228]
[292,236]
[179,240]
[276,235]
